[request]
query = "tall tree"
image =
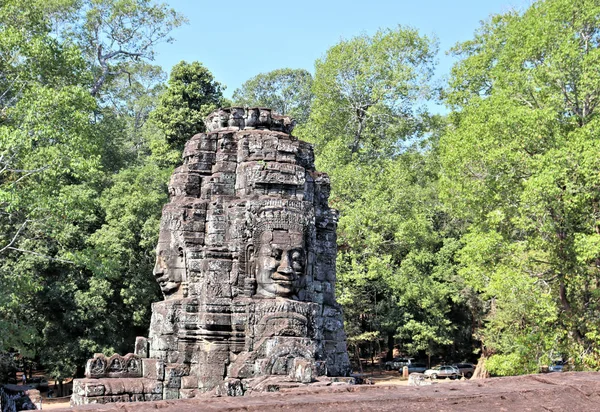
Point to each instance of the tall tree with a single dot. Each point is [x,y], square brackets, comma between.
[521,167]
[286,91]
[46,143]
[70,175]
[115,33]
[191,95]
[368,92]
[396,275]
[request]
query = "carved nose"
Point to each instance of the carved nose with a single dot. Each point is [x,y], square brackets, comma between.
[284,266]
[158,271]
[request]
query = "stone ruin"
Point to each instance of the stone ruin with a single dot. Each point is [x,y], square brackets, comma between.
[246,263]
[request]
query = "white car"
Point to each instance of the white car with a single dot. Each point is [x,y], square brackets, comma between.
[443,371]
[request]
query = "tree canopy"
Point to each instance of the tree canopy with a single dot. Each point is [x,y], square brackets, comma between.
[472,233]
[521,167]
[286,91]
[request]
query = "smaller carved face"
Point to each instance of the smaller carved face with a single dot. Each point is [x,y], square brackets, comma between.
[280,262]
[169,269]
[215,122]
[264,117]
[223,118]
[236,118]
[252,118]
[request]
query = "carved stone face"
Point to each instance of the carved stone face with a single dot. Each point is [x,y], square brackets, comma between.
[223,118]
[236,118]
[280,262]
[215,122]
[169,269]
[264,117]
[252,119]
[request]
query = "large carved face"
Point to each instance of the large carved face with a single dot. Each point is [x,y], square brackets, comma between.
[280,262]
[169,269]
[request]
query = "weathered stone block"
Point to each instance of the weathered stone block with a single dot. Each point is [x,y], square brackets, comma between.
[303,370]
[171,393]
[189,382]
[153,369]
[174,356]
[153,387]
[189,393]
[153,396]
[142,346]
[164,342]
[178,369]
[173,382]
[231,387]
[137,397]
[88,387]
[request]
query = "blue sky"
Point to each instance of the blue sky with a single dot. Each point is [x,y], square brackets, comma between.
[237,40]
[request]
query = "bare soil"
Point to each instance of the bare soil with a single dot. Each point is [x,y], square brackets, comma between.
[569,391]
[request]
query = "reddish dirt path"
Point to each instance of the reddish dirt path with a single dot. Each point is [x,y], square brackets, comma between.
[569,391]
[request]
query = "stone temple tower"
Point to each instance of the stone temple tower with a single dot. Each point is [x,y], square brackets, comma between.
[246,263]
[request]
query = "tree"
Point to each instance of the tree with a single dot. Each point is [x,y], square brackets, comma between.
[47,146]
[396,264]
[73,170]
[521,168]
[367,93]
[286,91]
[396,274]
[113,34]
[192,94]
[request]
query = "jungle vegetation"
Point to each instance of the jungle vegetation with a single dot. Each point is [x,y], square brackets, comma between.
[470,234]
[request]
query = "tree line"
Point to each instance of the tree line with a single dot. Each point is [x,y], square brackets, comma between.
[473,234]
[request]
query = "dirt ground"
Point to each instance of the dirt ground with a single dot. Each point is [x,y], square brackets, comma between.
[569,391]
[54,402]
[377,376]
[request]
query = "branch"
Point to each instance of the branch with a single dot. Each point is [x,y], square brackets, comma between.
[108,56]
[14,239]
[42,255]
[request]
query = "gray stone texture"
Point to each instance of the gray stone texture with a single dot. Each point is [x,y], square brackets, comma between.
[246,263]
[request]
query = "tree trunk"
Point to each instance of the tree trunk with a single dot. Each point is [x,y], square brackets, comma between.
[480,370]
[357,354]
[390,347]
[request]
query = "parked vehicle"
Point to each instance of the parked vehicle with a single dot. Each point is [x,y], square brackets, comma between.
[414,368]
[465,369]
[556,366]
[443,371]
[397,363]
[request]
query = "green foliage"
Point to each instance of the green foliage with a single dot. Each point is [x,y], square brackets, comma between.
[396,270]
[192,94]
[113,34]
[396,273]
[521,166]
[367,90]
[80,199]
[286,91]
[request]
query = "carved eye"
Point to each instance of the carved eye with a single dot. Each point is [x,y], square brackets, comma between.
[276,253]
[296,255]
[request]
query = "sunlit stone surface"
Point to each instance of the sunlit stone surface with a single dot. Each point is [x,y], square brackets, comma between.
[246,264]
